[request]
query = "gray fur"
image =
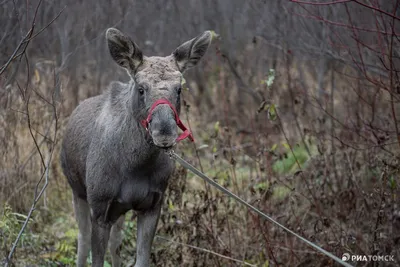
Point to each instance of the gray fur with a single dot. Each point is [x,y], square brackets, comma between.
[111,162]
[82,214]
[116,240]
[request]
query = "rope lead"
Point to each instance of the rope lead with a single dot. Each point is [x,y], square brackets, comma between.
[190,167]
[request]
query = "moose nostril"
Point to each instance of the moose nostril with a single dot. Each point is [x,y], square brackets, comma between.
[165,144]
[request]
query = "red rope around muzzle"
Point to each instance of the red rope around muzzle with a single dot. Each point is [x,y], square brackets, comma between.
[186,132]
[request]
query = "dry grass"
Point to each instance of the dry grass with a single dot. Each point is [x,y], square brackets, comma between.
[341,197]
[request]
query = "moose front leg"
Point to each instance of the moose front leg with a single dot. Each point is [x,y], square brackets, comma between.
[147,224]
[100,236]
[101,227]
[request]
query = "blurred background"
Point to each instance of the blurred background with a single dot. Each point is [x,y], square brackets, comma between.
[295,108]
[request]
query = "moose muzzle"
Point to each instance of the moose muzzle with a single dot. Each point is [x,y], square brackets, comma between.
[146,123]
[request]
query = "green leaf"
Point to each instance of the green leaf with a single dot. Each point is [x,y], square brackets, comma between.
[222,177]
[289,164]
[272,112]
[202,147]
[270,78]
[214,150]
[170,205]
[216,127]
[262,186]
[280,192]
[274,147]
[214,35]
[71,233]
[22,216]
[393,184]
[286,145]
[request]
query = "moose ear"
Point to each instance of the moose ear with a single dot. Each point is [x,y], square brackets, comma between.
[188,54]
[125,52]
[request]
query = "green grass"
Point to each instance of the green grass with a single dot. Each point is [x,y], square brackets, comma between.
[288,164]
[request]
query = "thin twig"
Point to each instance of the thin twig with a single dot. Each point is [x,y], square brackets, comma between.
[35,201]
[12,57]
[320,4]
[206,250]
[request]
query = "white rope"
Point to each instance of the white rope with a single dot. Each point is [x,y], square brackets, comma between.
[190,167]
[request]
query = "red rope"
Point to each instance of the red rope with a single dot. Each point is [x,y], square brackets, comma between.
[179,123]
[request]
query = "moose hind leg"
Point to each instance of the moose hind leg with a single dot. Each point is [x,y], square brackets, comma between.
[115,241]
[147,224]
[82,214]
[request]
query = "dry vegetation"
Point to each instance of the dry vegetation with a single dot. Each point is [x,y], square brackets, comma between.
[303,125]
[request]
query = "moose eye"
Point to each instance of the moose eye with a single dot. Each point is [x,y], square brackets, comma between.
[179,90]
[141,91]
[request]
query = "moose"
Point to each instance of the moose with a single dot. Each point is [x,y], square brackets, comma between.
[113,148]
